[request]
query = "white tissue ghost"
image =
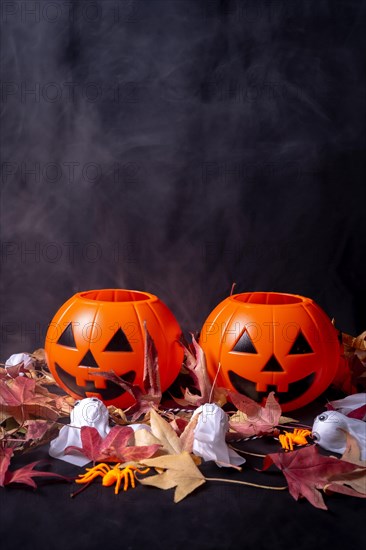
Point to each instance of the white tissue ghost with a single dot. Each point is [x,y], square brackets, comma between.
[87,412]
[17,359]
[209,436]
[351,403]
[330,428]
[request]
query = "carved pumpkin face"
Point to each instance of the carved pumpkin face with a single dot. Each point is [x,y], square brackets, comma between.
[267,341]
[102,330]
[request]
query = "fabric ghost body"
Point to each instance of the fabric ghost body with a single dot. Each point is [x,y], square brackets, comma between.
[330,432]
[88,412]
[209,436]
[351,404]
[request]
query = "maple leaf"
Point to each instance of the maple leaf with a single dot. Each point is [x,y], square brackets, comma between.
[25,475]
[22,398]
[37,429]
[306,471]
[113,448]
[187,437]
[353,483]
[355,357]
[195,363]
[180,472]
[253,419]
[165,433]
[5,455]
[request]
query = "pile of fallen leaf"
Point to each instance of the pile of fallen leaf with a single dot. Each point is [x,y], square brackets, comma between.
[31,414]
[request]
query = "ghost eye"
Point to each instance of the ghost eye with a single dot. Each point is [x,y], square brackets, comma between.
[76,403]
[300,346]
[67,338]
[244,344]
[322,417]
[94,399]
[118,342]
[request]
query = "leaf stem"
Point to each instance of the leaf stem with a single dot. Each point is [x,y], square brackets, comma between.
[72,495]
[245,483]
[246,452]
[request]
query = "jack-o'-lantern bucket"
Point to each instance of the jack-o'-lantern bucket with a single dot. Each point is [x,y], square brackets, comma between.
[268,341]
[103,330]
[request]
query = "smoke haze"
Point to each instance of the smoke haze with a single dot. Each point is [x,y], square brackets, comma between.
[177,146]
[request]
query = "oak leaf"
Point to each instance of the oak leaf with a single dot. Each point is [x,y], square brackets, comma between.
[307,472]
[180,472]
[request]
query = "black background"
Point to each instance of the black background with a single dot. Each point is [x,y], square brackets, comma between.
[178,146]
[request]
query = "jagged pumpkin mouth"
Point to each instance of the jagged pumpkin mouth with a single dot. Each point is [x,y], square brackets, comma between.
[111,390]
[248,388]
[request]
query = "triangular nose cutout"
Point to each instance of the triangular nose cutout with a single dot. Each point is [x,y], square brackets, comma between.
[89,361]
[273,366]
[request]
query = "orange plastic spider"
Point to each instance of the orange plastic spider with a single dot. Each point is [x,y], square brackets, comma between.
[112,475]
[298,437]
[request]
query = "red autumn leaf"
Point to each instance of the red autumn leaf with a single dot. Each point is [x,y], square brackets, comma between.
[255,419]
[23,398]
[307,472]
[27,473]
[113,448]
[195,363]
[91,444]
[17,391]
[5,456]
[36,429]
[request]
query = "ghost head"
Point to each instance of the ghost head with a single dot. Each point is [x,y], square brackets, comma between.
[330,430]
[209,436]
[87,412]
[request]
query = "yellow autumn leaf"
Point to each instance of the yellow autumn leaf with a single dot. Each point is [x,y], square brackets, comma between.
[163,431]
[179,471]
[145,438]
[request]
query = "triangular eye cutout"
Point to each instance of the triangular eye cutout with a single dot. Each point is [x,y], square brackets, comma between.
[300,346]
[89,361]
[118,342]
[67,338]
[244,344]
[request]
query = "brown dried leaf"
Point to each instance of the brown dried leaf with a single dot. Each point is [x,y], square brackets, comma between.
[187,436]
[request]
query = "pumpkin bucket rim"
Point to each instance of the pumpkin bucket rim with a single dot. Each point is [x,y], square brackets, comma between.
[269,298]
[116,296]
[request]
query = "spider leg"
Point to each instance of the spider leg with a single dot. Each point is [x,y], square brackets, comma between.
[132,478]
[118,484]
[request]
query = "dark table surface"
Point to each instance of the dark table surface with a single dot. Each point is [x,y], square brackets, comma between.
[216,516]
